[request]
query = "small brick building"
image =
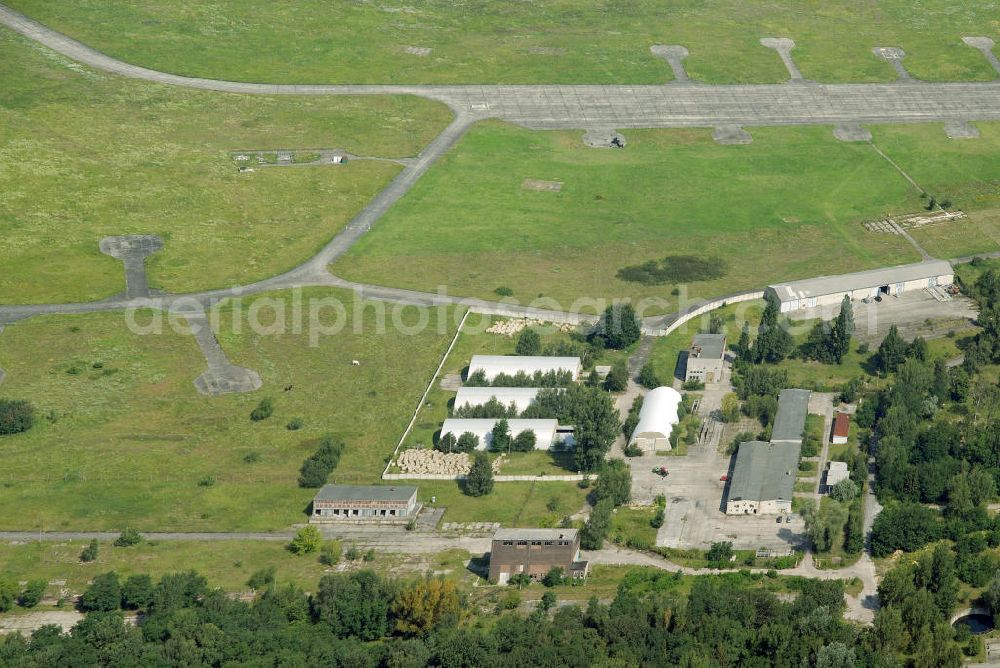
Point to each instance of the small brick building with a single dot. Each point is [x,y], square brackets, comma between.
[535,552]
[364,503]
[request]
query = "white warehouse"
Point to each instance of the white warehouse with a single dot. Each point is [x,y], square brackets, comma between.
[492,365]
[657,418]
[545,430]
[830,290]
[521,397]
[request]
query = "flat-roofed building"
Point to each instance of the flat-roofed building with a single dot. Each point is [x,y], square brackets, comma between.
[763,480]
[535,552]
[835,472]
[364,503]
[790,420]
[544,430]
[657,418]
[493,365]
[521,397]
[706,358]
[841,428]
[830,290]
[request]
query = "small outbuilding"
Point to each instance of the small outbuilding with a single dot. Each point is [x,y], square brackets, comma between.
[657,418]
[493,365]
[706,358]
[835,472]
[830,290]
[544,430]
[521,397]
[364,503]
[841,428]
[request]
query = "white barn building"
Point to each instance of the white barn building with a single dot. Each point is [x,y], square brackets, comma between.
[521,397]
[545,430]
[657,418]
[830,290]
[492,365]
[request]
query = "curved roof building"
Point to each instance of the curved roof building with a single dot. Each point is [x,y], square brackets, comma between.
[657,418]
[521,397]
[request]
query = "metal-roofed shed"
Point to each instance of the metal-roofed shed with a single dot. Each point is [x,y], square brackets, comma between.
[493,365]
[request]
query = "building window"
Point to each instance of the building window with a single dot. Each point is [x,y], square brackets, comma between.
[508,542]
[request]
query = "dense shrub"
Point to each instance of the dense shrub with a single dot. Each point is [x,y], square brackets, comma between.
[316,469]
[263,410]
[674,269]
[16,416]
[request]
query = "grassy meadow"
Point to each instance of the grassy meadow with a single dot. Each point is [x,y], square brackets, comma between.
[549,41]
[84,155]
[133,443]
[789,205]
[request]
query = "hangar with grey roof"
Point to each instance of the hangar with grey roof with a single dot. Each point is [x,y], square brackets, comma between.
[830,290]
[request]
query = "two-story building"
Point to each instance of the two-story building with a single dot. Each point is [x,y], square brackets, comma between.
[535,552]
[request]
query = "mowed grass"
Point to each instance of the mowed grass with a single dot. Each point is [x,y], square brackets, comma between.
[964,171]
[84,155]
[129,443]
[789,205]
[547,41]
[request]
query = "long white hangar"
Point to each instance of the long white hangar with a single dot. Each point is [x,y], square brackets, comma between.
[830,290]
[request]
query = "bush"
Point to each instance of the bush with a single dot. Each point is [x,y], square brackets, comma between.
[720,553]
[90,552]
[648,377]
[555,577]
[295,424]
[138,592]
[207,481]
[128,538]
[352,553]
[16,416]
[104,594]
[511,599]
[844,491]
[308,539]
[503,291]
[524,441]
[632,450]
[251,457]
[479,482]
[262,578]
[619,327]
[617,378]
[316,469]
[369,556]
[329,554]
[8,594]
[529,343]
[674,269]
[693,385]
[467,442]
[32,594]
[263,410]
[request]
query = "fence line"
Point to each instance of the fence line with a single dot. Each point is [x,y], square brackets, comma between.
[423,398]
[573,477]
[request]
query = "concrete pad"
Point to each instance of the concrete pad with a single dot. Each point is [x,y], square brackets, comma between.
[852,132]
[784,46]
[221,376]
[418,50]
[985,45]
[731,134]
[961,130]
[545,186]
[894,56]
[674,55]
[604,138]
[132,250]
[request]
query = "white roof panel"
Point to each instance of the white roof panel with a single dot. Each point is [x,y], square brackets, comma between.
[828,285]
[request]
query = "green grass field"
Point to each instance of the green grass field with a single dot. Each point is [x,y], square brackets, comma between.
[129,443]
[550,41]
[779,208]
[85,155]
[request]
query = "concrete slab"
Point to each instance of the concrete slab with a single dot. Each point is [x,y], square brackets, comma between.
[985,45]
[731,134]
[961,130]
[894,56]
[221,376]
[784,46]
[852,132]
[132,250]
[674,54]
[604,138]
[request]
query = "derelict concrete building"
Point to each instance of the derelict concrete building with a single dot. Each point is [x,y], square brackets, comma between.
[830,290]
[521,397]
[706,358]
[657,418]
[364,503]
[544,430]
[493,365]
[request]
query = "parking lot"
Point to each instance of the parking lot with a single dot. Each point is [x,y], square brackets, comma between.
[694,516]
